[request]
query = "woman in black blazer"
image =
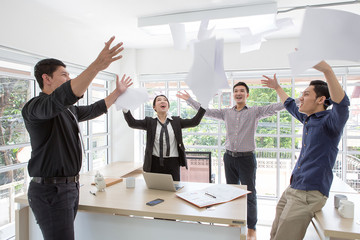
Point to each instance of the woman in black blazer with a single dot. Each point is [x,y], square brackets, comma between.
[165,151]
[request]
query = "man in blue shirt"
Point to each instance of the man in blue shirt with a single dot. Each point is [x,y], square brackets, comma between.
[312,175]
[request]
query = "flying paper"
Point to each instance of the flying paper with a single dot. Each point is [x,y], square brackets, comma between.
[206,76]
[132,98]
[251,42]
[179,36]
[326,34]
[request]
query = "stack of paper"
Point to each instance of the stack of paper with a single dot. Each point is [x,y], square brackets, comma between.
[218,193]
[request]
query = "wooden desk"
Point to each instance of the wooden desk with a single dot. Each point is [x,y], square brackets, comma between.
[329,223]
[120,212]
[117,169]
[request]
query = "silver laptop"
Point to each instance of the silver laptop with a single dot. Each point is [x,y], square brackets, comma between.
[161,181]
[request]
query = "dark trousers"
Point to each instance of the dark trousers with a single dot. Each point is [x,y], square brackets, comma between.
[242,170]
[171,166]
[55,207]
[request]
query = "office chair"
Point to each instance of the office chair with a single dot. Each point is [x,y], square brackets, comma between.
[199,168]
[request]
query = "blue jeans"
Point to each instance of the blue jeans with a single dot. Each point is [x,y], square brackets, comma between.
[55,207]
[242,170]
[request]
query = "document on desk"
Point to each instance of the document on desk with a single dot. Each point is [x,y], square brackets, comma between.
[218,193]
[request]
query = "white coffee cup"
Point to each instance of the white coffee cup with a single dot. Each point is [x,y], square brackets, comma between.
[337,199]
[346,208]
[130,182]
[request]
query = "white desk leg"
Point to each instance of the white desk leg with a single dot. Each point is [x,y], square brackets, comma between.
[243,232]
[319,231]
[22,222]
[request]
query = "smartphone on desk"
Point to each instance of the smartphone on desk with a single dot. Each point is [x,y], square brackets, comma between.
[154,202]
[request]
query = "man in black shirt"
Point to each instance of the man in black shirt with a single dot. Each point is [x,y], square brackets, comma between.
[52,122]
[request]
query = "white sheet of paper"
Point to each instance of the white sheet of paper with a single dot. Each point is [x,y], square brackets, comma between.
[220,76]
[261,23]
[205,33]
[207,76]
[201,75]
[251,42]
[132,99]
[282,23]
[178,35]
[326,34]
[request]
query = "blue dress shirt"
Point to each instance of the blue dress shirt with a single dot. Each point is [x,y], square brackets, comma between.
[321,136]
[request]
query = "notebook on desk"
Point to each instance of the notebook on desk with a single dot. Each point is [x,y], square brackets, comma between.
[161,181]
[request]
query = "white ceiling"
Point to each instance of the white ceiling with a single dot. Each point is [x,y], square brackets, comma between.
[97,20]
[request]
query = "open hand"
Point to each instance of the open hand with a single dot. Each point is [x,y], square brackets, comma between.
[270,82]
[108,55]
[122,86]
[183,95]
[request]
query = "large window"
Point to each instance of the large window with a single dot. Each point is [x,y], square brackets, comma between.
[17,86]
[278,138]
[96,135]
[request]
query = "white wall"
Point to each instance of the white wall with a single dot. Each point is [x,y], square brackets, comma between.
[44,32]
[65,41]
[122,135]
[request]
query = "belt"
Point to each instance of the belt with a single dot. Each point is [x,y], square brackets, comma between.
[239,154]
[53,180]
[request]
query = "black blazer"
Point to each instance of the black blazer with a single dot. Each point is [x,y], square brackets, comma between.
[149,124]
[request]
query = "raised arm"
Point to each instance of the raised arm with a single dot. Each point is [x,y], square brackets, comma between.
[193,122]
[104,59]
[134,123]
[273,83]
[121,87]
[211,113]
[336,92]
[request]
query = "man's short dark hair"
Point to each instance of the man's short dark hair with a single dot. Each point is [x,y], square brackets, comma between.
[321,89]
[47,66]
[161,96]
[241,84]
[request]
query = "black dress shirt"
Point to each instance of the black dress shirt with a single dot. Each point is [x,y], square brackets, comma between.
[55,142]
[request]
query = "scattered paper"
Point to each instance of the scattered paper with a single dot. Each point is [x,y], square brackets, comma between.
[251,42]
[206,76]
[205,33]
[326,34]
[220,80]
[179,36]
[132,99]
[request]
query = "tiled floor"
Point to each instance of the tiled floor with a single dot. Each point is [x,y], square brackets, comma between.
[266,214]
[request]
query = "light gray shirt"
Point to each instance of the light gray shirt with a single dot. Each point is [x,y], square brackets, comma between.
[240,125]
